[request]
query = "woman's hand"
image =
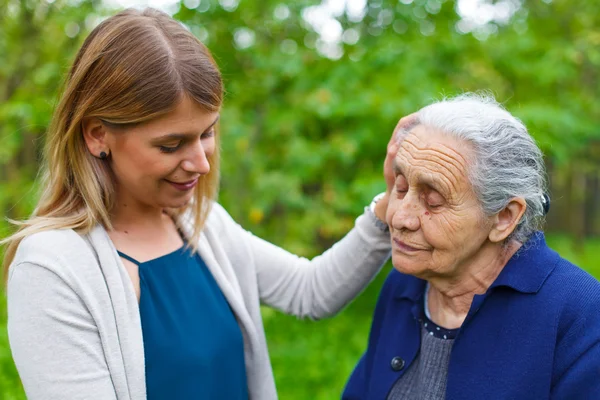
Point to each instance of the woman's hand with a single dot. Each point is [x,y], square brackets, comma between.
[388,165]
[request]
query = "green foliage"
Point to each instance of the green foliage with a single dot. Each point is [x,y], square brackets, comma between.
[304,135]
[35,54]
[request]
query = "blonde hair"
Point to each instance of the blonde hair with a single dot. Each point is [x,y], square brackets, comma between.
[132,68]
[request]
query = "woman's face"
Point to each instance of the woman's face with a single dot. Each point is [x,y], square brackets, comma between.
[435,218]
[158,164]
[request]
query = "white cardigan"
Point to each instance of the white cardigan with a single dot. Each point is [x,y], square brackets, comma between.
[74,323]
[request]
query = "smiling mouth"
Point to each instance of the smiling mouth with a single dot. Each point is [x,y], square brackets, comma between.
[183,186]
[405,248]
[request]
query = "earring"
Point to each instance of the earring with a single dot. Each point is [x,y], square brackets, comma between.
[103,155]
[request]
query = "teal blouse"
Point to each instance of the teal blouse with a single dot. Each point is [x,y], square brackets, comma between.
[193,344]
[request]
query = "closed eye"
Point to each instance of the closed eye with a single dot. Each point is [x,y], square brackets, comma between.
[170,149]
[401,184]
[434,200]
[174,148]
[208,134]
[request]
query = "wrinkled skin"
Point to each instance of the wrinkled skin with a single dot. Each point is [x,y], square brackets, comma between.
[437,224]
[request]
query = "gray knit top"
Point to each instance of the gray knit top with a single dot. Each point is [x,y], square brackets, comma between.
[426,377]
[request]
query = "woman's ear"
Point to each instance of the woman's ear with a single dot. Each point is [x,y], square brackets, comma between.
[94,134]
[507,220]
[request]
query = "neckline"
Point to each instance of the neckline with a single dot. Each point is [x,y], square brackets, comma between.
[434,329]
[138,263]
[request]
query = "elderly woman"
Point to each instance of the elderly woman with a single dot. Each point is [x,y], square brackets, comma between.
[478,306]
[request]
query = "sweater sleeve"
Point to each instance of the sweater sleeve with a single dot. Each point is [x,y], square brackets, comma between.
[322,286]
[54,341]
[577,355]
[582,379]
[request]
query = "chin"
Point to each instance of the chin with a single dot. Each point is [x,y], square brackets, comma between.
[408,267]
[181,204]
[177,203]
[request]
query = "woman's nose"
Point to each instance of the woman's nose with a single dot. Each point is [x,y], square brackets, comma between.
[197,160]
[406,212]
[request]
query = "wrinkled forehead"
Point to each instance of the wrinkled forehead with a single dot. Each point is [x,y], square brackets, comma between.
[425,152]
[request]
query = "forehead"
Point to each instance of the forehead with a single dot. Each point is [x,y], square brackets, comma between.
[186,118]
[426,152]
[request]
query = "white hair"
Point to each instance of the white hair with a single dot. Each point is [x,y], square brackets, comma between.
[507,164]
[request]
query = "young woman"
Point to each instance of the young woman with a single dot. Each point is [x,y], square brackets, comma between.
[129,281]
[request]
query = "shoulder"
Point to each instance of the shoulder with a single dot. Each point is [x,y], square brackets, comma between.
[561,288]
[55,243]
[220,222]
[219,218]
[576,293]
[218,215]
[572,287]
[571,297]
[55,250]
[222,231]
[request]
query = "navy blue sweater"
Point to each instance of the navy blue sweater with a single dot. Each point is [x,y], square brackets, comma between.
[535,334]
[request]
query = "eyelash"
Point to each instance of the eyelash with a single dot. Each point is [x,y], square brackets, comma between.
[172,149]
[168,149]
[208,134]
[432,206]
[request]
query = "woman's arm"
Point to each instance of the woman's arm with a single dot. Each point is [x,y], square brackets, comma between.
[314,288]
[54,341]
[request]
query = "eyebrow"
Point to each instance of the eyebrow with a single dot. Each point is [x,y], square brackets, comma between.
[424,180]
[182,136]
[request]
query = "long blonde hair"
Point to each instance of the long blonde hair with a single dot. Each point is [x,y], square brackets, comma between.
[132,68]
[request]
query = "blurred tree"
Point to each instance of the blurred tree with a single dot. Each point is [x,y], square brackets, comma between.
[37,41]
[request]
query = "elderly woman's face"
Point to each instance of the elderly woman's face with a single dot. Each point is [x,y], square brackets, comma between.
[435,218]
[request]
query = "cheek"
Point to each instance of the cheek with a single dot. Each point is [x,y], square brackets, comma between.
[152,169]
[455,230]
[142,168]
[161,166]
[442,230]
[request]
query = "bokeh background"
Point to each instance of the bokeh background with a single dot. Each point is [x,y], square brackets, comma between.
[314,90]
